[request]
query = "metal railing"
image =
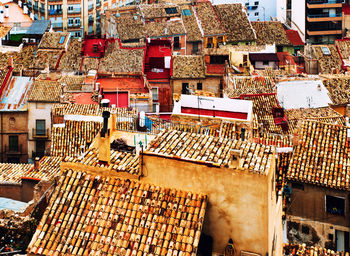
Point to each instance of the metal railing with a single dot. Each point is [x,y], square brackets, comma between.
[42,10]
[57,25]
[75,10]
[324,15]
[324,1]
[40,133]
[13,150]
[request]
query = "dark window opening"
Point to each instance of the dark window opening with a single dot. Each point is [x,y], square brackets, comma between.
[297,185]
[265,62]
[199,86]
[176,43]
[185,88]
[171,10]
[218,59]
[195,48]
[335,205]
[210,43]
[40,127]
[13,143]
[305,229]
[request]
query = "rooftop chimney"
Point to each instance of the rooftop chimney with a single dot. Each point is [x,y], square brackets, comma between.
[104,143]
[10,62]
[37,164]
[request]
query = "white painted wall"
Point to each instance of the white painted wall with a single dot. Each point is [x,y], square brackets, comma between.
[37,111]
[260,65]
[298,17]
[281,10]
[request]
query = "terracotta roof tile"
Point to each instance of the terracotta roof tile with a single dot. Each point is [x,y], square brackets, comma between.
[152,11]
[327,62]
[166,28]
[294,37]
[4,31]
[238,85]
[53,40]
[12,173]
[270,32]
[74,138]
[322,156]
[91,214]
[302,249]
[193,33]
[21,60]
[45,91]
[42,58]
[71,59]
[130,28]
[237,28]
[338,87]
[208,19]
[214,150]
[277,140]
[188,67]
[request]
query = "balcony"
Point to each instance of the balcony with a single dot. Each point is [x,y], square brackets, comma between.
[55,12]
[42,10]
[98,4]
[323,32]
[13,150]
[324,17]
[74,25]
[36,8]
[74,11]
[40,133]
[324,4]
[30,5]
[91,21]
[90,7]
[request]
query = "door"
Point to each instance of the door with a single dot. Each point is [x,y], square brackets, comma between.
[339,237]
[13,143]
[39,148]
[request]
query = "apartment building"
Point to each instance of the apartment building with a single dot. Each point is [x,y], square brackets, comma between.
[317,21]
[74,16]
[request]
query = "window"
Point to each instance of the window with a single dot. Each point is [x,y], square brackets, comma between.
[13,143]
[256,14]
[184,88]
[256,3]
[186,12]
[199,86]
[70,8]
[40,127]
[218,59]
[265,62]
[77,22]
[77,34]
[12,122]
[70,21]
[335,205]
[171,10]
[155,94]
[210,43]
[195,48]
[176,42]
[247,4]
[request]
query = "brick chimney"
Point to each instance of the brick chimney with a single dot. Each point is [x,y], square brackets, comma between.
[37,164]
[10,62]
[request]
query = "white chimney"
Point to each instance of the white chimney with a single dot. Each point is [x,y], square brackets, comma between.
[31,16]
[25,9]
[2,17]
[20,3]
[6,11]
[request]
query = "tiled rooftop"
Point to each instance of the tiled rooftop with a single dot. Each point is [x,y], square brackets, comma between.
[239,85]
[49,168]
[73,83]
[188,66]
[13,172]
[270,32]
[90,64]
[88,110]
[166,28]
[344,48]
[322,156]
[120,161]
[325,115]
[21,60]
[208,19]
[152,11]
[45,91]
[4,30]
[130,28]
[54,40]
[41,58]
[90,215]
[73,138]
[277,140]
[211,150]
[338,87]
[121,60]
[71,59]
[239,28]
[302,249]
[193,32]
[327,63]
[282,165]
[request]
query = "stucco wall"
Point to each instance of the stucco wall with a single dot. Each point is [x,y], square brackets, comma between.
[37,111]
[239,202]
[209,84]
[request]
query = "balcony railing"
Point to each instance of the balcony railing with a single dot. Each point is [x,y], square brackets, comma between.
[75,10]
[324,1]
[40,133]
[91,7]
[98,4]
[42,10]
[36,8]
[29,5]
[324,15]
[74,25]
[13,150]
[91,21]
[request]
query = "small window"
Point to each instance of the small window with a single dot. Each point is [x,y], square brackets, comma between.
[70,8]
[40,127]
[199,86]
[155,94]
[62,39]
[256,14]
[297,185]
[335,205]
[256,3]
[70,21]
[247,4]
[176,43]
[265,62]
[186,12]
[184,88]
[13,143]
[12,122]
[171,10]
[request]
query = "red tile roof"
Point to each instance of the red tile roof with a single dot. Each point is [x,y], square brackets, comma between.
[294,37]
[285,58]
[132,84]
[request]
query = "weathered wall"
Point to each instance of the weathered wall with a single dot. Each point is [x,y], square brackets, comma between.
[15,123]
[27,191]
[239,201]
[12,191]
[209,84]
[310,204]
